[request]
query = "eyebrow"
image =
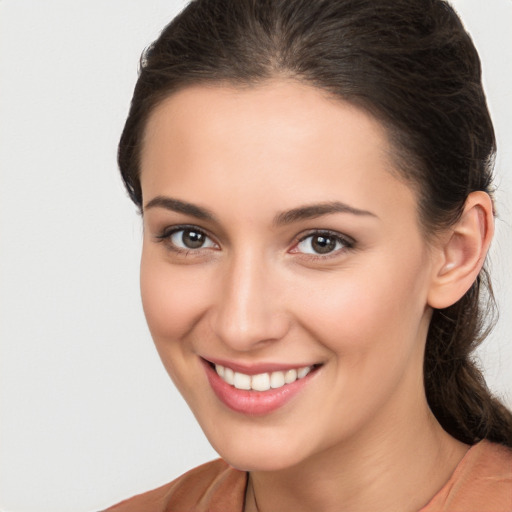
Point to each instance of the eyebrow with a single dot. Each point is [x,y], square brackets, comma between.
[175,205]
[317,210]
[288,217]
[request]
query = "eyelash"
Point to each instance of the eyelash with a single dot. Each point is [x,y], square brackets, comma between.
[346,242]
[166,237]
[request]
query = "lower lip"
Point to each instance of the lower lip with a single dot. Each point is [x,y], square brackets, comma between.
[254,403]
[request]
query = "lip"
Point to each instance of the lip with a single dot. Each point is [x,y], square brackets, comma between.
[255,403]
[255,369]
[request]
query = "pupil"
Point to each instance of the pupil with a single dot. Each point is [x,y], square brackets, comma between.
[193,239]
[323,244]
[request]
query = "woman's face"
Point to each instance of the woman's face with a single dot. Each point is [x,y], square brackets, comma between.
[279,241]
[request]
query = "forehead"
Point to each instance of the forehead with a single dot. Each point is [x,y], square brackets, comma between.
[282,139]
[273,108]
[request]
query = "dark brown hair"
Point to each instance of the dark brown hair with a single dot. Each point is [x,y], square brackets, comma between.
[411,64]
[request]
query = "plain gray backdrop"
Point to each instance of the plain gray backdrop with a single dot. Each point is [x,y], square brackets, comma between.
[88,414]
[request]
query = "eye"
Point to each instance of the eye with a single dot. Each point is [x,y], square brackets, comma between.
[321,243]
[188,238]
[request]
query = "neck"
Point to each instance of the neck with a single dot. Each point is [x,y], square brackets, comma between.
[399,466]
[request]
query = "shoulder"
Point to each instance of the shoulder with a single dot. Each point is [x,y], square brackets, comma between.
[482,482]
[213,487]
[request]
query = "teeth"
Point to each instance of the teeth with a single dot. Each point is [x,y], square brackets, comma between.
[290,376]
[277,380]
[242,381]
[229,376]
[302,372]
[262,381]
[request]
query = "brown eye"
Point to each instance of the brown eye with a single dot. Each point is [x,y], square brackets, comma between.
[190,238]
[322,243]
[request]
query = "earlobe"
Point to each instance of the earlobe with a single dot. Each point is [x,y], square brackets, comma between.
[462,253]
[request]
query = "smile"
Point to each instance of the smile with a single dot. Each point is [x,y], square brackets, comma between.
[259,390]
[261,381]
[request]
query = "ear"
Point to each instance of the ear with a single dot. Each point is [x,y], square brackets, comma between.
[461,253]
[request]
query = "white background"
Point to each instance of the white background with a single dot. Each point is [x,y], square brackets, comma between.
[88,415]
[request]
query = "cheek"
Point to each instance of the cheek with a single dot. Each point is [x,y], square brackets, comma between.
[171,297]
[376,308]
[173,304]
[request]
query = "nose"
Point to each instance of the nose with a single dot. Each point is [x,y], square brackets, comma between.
[249,310]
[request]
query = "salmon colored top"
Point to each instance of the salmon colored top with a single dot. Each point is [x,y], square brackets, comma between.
[482,482]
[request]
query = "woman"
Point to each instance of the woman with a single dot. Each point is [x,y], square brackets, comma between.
[314,179]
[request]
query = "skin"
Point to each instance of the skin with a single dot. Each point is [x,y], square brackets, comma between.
[360,433]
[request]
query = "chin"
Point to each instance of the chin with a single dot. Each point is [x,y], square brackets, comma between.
[247,454]
[257,462]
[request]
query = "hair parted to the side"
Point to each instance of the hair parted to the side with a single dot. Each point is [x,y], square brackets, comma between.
[411,64]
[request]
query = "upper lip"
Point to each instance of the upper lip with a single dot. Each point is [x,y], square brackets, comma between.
[256,368]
